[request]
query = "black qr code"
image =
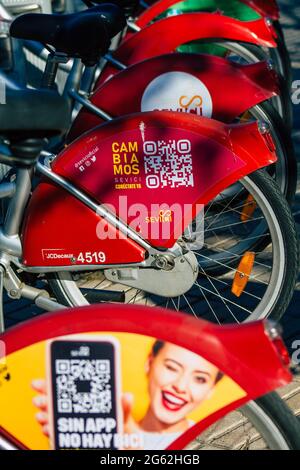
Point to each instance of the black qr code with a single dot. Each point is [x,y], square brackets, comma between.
[83,386]
[168,164]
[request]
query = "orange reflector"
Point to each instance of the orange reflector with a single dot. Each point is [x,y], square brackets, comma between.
[245,117]
[248,208]
[242,274]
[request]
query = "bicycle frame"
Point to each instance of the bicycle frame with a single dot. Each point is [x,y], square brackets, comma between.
[256,371]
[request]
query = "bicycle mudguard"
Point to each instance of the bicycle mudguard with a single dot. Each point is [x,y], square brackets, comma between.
[268,8]
[154,170]
[265,8]
[75,343]
[185,83]
[166,35]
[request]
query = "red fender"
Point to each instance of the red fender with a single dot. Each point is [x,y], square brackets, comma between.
[243,86]
[166,35]
[266,8]
[116,164]
[257,370]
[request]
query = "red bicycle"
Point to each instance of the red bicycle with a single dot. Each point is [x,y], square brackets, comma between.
[155,208]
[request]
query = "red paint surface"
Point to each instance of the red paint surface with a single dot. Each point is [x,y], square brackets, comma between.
[243,86]
[221,155]
[266,8]
[166,35]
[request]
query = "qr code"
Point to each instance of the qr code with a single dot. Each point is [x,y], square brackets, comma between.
[168,164]
[83,386]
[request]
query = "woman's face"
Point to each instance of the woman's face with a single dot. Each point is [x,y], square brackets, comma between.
[179,381]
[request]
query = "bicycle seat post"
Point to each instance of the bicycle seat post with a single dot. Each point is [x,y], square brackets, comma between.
[53,61]
[18,202]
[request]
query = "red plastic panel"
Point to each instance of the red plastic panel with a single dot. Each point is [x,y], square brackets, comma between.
[137,165]
[169,33]
[265,8]
[166,35]
[60,231]
[243,352]
[185,79]
[256,369]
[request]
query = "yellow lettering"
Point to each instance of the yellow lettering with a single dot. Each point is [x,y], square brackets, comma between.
[133,146]
[115,147]
[127,169]
[135,170]
[118,170]
[116,159]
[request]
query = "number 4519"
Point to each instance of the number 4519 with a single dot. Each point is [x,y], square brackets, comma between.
[92,257]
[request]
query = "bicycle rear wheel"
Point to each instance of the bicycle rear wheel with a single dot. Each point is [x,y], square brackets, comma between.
[285,169]
[255,218]
[266,423]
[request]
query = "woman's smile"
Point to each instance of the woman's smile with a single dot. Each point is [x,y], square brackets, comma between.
[172,402]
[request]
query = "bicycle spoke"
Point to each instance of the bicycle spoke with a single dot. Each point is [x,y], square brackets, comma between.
[208,303]
[228,267]
[192,310]
[135,296]
[231,238]
[235,224]
[172,300]
[227,300]
[220,213]
[234,210]
[240,256]
[216,290]
[229,286]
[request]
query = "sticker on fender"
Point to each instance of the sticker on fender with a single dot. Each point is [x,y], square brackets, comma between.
[92,258]
[88,257]
[178,91]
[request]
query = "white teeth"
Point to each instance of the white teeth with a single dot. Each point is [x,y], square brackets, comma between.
[174,400]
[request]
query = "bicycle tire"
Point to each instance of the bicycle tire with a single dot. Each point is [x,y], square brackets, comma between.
[280,132]
[275,426]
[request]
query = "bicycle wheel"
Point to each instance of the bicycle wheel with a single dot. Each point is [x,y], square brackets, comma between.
[256,215]
[281,58]
[285,170]
[266,423]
